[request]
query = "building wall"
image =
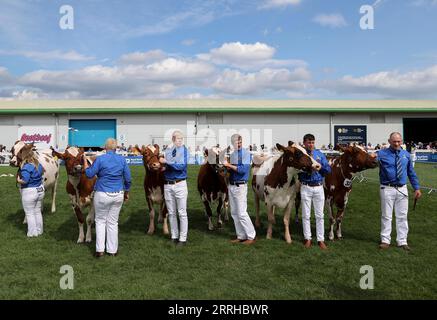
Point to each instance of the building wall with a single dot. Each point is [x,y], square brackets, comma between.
[258,128]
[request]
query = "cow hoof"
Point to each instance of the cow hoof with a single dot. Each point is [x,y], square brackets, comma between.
[150,232]
[79,241]
[88,240]
[269,237]
[211,228]
[166,232]
[340,238]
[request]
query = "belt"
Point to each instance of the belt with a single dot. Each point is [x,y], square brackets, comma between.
[312,184]
[173,181]
[237,183]
[393,185]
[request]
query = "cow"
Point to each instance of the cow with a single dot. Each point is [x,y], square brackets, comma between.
[48,162]
[212,185]
[80,189]
[338,183]
[274,181]
[154,185]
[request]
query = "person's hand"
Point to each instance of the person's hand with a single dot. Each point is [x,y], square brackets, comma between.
[85,162]
[126,196]
[417,194]
[162,160]
[226,163]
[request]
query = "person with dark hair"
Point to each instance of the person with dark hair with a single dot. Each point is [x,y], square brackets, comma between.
[312,192]
[32,192]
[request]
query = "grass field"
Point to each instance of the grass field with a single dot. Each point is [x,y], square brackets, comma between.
[209,267]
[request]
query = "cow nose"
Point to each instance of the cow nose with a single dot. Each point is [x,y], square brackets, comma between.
[317,166]
[155,165]
[78,167]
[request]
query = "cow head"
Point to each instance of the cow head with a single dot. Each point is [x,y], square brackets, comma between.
[357,159]
[19,151]
[150,156]
[295,156]
[73,158]
[215,158]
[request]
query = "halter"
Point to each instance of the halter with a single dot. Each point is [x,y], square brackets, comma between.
[346,181]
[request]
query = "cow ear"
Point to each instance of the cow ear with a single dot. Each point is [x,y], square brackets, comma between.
[157,148]
[340,148]
[290,143]
[81,150]
[280,147]
[57,154]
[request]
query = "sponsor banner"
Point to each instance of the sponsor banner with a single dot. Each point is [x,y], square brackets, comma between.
[350,134]
[42,137]
[134,160]
[426,156]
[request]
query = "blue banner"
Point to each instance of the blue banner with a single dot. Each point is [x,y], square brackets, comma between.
[134,160]
[350,134]
[426,156]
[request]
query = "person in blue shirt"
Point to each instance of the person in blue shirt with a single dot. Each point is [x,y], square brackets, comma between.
[111,190]
[239,166]
[30,178]
[312,192]
[175,187]
[395,166]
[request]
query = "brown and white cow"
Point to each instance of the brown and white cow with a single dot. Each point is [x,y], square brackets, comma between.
[274,181]
[80,189]
[212,185]
[338,183]
[154,186]
[48,162]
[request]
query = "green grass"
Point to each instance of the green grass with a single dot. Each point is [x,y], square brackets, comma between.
[209,267]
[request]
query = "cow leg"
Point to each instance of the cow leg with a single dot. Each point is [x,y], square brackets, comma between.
[257,220]
[24,220]
[163,213]
[329,207]
[297,202]
[80,221]
[209,214]
[219,212]
[55,187]
[151,217]
[226,205]
[271,217]
[287,212]
[340,215]
[89,224]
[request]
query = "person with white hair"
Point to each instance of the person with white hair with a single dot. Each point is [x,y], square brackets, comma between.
[111,190]
[395,166]
[175,187]
[239,166]
[32,192]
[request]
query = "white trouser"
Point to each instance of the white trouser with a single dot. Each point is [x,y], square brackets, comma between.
[393,199]
[315,195]
[107,208]
[238,202]
[32,200]
[175,196]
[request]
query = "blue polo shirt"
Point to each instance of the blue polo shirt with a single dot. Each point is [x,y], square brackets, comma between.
[388,171]
[31,175]
[316,176]
[112,171]
[241,159]
[177,161]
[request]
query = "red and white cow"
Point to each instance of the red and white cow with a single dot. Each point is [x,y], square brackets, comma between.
[212,185]
[154,186]
[48,162]
[338,183]
[274,182]
[80,189]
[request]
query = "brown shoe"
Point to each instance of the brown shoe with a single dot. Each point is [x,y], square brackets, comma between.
[405,247]
[112,254]
[236,240]
[249,242]
[384,245]
[99,254]
[307,243]
[322,245]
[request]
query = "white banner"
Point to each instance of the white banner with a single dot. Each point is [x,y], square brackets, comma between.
[42,137]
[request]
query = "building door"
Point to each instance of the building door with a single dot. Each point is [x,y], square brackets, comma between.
[91,133]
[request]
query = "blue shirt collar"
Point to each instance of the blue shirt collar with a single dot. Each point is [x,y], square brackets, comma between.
[110,151]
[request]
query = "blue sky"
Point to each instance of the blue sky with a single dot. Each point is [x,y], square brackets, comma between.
[258,49]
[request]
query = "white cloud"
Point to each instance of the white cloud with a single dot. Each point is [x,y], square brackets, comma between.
[247,56]
[389,84]
[188,42]
[270,4]
[48,55]
[142,57]
[335,20]
[237,83]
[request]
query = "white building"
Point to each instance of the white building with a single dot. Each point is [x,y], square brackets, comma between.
[207,122]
